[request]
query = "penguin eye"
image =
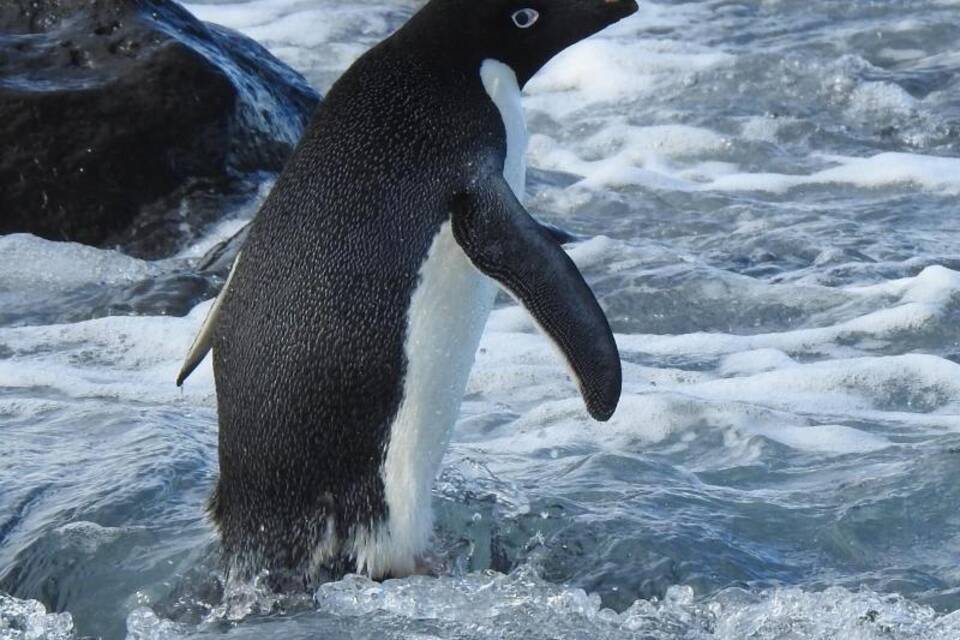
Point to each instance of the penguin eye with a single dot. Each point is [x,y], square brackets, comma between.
[524,18]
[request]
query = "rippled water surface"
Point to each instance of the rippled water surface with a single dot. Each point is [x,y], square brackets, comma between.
[768,193]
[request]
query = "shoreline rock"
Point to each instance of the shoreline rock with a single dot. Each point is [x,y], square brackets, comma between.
[131,123]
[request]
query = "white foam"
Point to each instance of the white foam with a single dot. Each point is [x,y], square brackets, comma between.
[229,226]
[757,388]
[299,22]
[607,69]
[891,169]
[924,300]
[30,262]
[241,15]
[880,99]
[645,165]
[638,143]
[913,382]
[761,128]
[638,57]
[828,439]
[755,361]
[765,405]
[319,38]
[129,358]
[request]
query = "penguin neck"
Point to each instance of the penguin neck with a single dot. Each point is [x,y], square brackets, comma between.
[500,83]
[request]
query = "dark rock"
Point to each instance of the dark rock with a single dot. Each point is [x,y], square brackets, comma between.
[112,112]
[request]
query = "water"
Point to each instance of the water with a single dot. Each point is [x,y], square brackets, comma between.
[770,192]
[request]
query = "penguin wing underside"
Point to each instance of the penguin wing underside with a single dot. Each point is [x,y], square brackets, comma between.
[503,241]
[204,340]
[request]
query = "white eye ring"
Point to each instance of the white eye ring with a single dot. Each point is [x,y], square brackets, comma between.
[524,18]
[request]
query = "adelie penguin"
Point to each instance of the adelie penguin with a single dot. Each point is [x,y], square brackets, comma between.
[344,336]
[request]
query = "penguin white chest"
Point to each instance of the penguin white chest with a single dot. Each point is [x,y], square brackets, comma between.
[447,313]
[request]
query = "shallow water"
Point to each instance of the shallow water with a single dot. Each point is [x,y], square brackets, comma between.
[769,191]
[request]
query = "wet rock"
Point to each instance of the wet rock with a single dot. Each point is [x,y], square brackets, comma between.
[124,122]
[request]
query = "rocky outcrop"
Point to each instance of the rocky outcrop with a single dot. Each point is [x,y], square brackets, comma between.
[124,122]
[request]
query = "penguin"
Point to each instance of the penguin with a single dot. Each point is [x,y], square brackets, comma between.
[344,336]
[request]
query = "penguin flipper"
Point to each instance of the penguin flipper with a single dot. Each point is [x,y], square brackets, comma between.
[204,340]
[504,242]
[559,234]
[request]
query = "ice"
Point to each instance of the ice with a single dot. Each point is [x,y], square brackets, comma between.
[836,612]
[492,605]
[521,604]
[29,620]
[144,624]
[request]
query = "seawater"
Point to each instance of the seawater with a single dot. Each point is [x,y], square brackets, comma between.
[768,195]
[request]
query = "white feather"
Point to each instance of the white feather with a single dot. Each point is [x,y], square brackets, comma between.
[500,83]
[448,311]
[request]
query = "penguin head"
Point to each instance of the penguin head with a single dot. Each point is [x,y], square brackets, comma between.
[523,34]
